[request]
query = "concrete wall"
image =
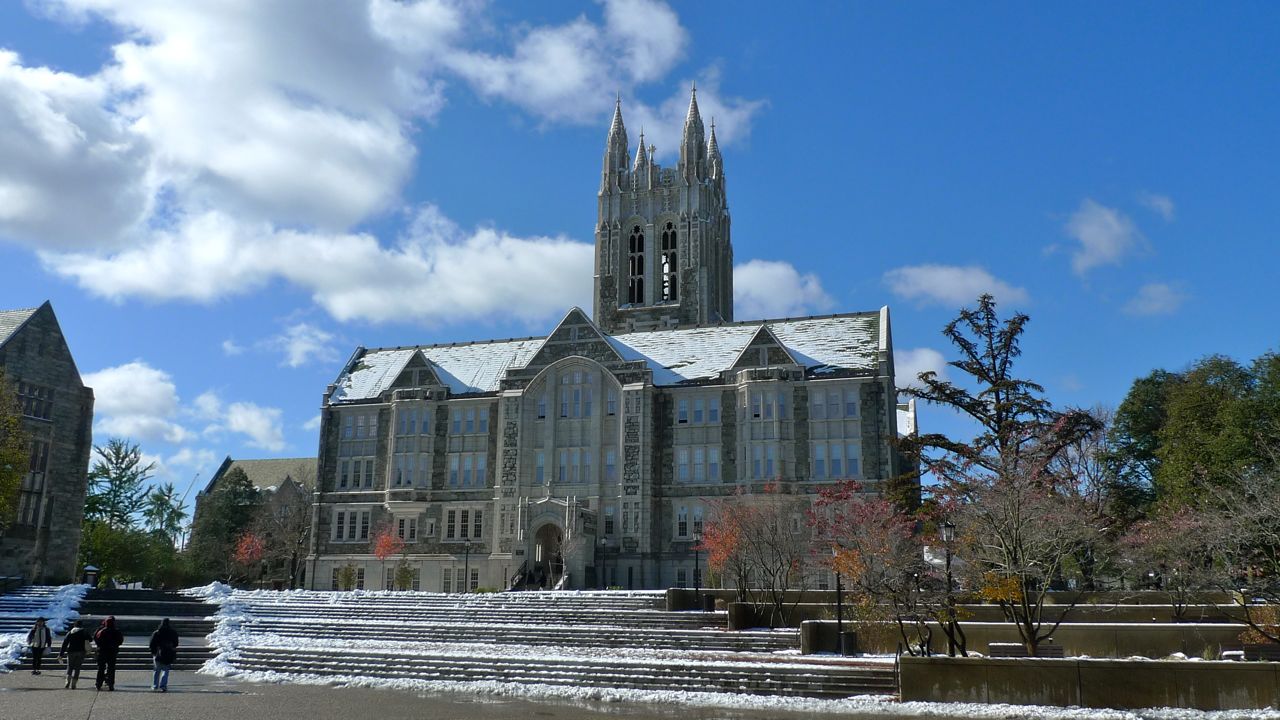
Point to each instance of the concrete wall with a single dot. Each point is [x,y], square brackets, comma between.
[1152,640]
[1092,683]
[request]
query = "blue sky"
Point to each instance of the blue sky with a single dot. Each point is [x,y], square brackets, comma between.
[223,199]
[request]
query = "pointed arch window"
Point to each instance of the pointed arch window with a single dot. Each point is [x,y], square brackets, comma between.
[669,264]
[635,267]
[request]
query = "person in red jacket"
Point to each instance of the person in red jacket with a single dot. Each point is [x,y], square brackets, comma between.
[108,639]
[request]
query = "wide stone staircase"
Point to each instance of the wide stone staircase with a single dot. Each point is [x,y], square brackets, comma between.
[20,607]
[137,613]
[620,640]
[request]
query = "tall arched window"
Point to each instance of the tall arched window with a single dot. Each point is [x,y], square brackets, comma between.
[669,264]
[635,267]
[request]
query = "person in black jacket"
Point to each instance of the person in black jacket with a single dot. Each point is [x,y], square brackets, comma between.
[39,640]
[164,650]
[108,639]
[74,647]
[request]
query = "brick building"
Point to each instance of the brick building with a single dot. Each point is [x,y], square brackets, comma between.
[591,456]
[42,542]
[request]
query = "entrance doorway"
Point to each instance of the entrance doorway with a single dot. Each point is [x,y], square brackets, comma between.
[548,560]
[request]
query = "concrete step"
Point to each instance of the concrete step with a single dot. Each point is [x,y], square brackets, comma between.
[810,681]
[130,658]
[149,608]
[624,618]
[132,625]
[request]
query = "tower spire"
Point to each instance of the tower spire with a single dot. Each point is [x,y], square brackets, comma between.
[642,158]
[617,154]
[693,147]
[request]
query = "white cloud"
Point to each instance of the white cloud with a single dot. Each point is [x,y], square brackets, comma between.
[909,363]
[1161,205]
[436,273]
[302,342]
[136,401]
[260,424]
[312,425]
[1105,234]
[230,348]
[771,289]
[192,458]
[1155,299]
[950,285]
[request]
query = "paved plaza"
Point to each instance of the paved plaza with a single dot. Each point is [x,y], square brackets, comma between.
[201,697]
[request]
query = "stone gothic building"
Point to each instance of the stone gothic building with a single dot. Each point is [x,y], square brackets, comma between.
[41,542]
[591,456]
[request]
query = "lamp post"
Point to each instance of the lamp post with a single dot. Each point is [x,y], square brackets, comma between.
[604,558]
[839,602]
[466,565]
[697,577]
[948,536]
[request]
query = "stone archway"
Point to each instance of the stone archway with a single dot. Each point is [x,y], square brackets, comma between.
[548,557]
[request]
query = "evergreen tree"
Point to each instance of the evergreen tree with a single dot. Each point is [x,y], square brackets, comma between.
[15,457]
[116,480]
[164,511]
[223,517]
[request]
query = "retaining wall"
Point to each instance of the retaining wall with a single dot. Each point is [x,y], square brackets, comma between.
[1120,684]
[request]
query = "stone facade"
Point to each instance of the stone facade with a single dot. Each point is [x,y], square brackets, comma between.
[593,455]
[42,542]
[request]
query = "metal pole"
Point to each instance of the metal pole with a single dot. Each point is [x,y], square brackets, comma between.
[839,612]
[951,609]
[466,572]
[697,578]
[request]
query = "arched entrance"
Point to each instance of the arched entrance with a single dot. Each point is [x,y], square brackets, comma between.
[548,560]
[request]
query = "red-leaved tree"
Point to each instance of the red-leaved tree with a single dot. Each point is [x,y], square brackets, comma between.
[386,544]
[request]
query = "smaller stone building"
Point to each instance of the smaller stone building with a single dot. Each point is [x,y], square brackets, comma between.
[41,543]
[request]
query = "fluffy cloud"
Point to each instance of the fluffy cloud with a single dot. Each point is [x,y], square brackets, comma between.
[950,285]
[1155,299]
[136,401]
[262,426]
[908,364]
[227,145]
[1161,205]
[771,289]
[312,425]
[230,348]
[302,342]
[435,273]
[1105,236]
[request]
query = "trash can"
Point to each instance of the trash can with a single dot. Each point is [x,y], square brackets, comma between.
[849,642]
[708,602]
[90,576]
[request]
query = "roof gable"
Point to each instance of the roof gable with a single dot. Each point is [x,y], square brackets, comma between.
[764,350]
[574,335]
[11,321]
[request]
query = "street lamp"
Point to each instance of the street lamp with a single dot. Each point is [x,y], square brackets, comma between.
[835,554]
[466,571]
[948,536]
[604,576]
[697,577]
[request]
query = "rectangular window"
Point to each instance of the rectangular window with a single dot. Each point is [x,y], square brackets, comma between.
[542,407]
[340,525]
[682,411]
[470,425]
[397,470]
[484,420]
[564,402]
[586,402]
[450,524]
[482,477]
[699,465]
[852,460]
[360,427]
[850,403]
[464,520]
[577,402]
[333,583]
[453,471]
[755,405]
[837,466]
[713,410]
[466,471]
[477,524]
[610,465]
[698,404]
[359,578]
[819,461]
[425,414]
[402,421]
[682,522]
[457,422]
[682,577]
[768,461]
[347,425]
[357,470]
[608,519]
[713,464]
[697,521]
[364,525]
[446,580]
[819,411]
[344,473]
[682,464]
[475,580]
[782,404]
[413,421]
[539,467]
[575,464]
[368,473]
[562,470]
[611,402]
[586,466]
[757,461]
[833,405]
[768,406]
[400,527]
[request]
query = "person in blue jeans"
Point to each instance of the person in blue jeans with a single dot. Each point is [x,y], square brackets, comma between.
[164,651]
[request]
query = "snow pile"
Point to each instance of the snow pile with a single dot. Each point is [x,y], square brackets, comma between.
[59,611]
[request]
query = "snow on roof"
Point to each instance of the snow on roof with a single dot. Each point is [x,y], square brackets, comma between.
[11,320]
[820,344]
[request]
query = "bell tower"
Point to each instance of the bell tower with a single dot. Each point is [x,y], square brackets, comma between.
[663,257]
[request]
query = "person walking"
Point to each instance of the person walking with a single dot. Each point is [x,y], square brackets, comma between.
[74,646]
[38,639]
[164,651]
[108,639]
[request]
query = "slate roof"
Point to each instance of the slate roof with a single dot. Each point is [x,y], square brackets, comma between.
[11,320]
[851,341]
[266,475]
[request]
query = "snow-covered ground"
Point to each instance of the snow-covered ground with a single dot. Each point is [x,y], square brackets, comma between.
[59,611]
[235,631]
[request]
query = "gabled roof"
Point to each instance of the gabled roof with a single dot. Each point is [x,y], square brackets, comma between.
[11,321]
[853,341]
[267,474]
